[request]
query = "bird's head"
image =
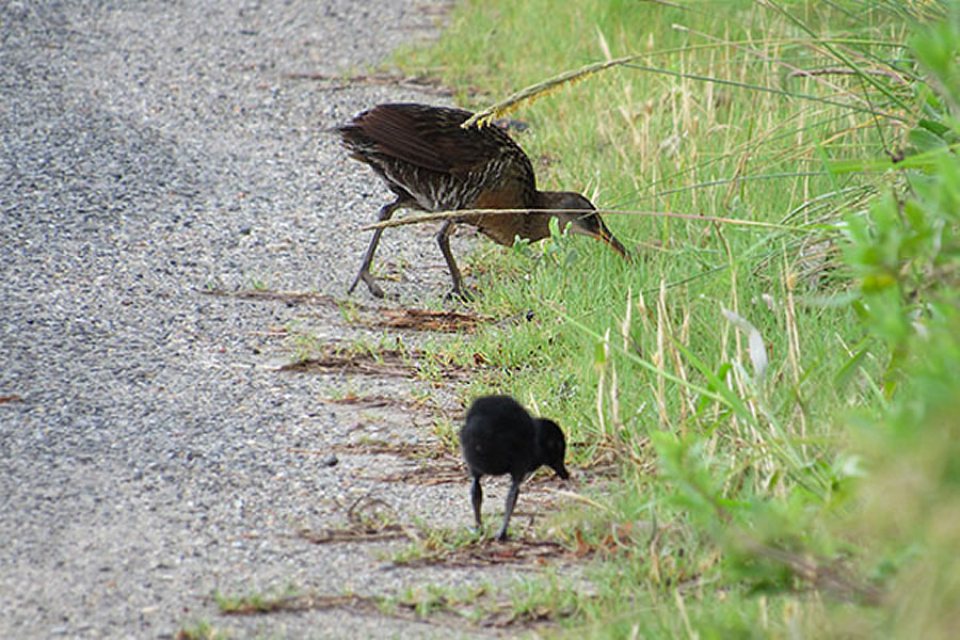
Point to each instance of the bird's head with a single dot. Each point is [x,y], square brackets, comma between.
[552,446]
[575,210]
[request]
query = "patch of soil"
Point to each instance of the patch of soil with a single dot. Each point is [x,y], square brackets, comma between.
[427,475]
[444,321]
[408,363]
[374,401]
[439,609]
[409,450]
[338,82]
[369,519]
[289,297]
[384,363]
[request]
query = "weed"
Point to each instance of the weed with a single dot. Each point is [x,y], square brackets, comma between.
[202,630]
[255,602]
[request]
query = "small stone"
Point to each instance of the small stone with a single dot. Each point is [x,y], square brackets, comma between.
[329,461]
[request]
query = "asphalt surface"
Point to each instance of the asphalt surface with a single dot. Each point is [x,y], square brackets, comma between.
[151,454]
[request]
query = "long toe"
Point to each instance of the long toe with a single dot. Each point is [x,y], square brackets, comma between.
[353,285]
[459,294]
[374,288]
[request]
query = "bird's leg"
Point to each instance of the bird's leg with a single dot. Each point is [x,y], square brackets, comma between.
[476,497]
[443,239]
[511,503]
[385,212]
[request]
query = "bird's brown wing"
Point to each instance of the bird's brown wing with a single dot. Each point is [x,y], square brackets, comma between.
[432,138]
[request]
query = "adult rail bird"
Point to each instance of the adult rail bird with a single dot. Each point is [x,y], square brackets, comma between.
[431,163]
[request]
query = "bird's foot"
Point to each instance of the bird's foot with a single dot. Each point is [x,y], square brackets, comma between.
[461,295]
[502,535]
[372,285]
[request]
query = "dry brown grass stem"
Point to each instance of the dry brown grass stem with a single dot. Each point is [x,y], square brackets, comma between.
[464,213]
[843,71]
[796,72]
[601,384]
[688,407]
[794,356]
[738,382]
[659,358]
[535,91]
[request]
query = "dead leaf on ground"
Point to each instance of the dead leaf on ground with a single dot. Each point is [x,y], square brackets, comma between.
[442,610]
[428,320]
[375,401]
[368,315]
[350,534]
[386,362]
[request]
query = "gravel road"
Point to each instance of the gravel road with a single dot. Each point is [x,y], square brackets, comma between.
[150,452]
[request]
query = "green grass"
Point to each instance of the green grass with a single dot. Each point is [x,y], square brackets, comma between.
[657,143]
[733,370]
[255,602]
[202,630]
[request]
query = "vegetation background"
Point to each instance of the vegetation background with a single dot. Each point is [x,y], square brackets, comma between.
[771,384]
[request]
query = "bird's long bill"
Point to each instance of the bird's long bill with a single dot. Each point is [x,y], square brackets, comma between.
[592,225]
[611,240]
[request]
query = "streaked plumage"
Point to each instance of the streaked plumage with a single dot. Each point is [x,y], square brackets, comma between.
[431,163]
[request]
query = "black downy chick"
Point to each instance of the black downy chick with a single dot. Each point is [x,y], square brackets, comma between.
[500,437]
